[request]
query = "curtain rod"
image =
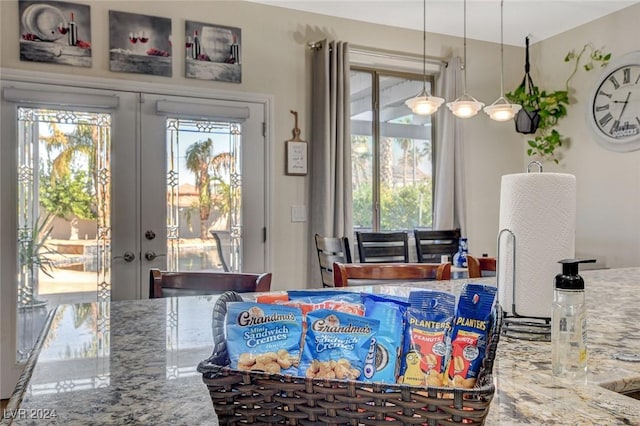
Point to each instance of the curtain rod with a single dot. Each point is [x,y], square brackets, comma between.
[384,53]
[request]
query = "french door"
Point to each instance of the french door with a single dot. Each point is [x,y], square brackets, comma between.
[101,185]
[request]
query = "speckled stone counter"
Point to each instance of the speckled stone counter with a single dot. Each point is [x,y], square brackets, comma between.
[134,362]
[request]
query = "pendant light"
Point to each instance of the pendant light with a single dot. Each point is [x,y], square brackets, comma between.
[465,106]
[501,109]
[423,103]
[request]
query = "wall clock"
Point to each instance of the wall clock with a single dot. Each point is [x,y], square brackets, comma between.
[614,107]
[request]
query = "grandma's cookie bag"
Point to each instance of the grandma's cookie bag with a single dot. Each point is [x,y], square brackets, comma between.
[337,345]
[264,337]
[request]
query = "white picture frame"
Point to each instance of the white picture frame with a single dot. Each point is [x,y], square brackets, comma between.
[296,158]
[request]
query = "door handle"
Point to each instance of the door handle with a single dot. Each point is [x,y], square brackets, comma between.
[128,256]
[151,255]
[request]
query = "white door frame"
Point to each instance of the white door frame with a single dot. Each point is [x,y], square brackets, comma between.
[9,370]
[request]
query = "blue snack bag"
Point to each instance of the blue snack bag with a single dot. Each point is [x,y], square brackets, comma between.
[426,340]
[264,337]
[390,312]
[470,333]
[316,296]
[336,345]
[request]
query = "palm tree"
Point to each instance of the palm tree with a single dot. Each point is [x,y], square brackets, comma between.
[199,158]
[405,144]
[221,165]
[360,160]
[386,162]
[67,148]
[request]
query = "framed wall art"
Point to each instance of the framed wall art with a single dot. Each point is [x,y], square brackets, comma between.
[296,158]
[212,52]
[296,152]
[139,44]
[55,32]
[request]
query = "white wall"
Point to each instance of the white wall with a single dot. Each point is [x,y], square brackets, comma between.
[608,198]
[276,61]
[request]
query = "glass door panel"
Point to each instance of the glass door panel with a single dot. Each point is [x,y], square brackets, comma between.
[64,213]
[204,192]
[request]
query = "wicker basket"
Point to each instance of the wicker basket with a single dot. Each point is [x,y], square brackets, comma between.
[254,397]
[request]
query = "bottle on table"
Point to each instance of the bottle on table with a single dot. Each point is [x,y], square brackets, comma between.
[569,322]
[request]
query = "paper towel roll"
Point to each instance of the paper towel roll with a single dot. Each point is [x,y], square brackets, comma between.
[540,210]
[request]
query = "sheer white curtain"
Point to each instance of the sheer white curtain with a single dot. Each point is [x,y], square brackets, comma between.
[449,210]
[330,166]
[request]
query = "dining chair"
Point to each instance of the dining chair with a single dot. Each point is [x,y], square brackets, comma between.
[330,250]
[383,247]
[432,244]
[475,265]
[171,284]
[343,272]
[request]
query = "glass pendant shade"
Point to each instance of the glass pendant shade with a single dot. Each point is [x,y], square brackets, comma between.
[465,106]
[423,104]
[502,110]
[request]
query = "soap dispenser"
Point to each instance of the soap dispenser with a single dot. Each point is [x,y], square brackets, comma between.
[569,322]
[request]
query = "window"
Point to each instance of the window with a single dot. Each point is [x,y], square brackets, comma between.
[391,153]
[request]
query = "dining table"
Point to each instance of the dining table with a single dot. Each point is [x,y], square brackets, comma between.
[134,362]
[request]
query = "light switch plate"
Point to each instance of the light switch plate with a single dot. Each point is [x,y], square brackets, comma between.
[298,213]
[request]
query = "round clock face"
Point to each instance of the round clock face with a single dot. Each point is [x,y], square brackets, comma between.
[615,105]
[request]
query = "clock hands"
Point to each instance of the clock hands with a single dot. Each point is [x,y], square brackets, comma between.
[626,101]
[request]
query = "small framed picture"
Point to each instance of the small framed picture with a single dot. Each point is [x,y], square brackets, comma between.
[296,158]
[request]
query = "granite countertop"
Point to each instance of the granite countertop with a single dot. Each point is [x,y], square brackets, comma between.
[134,362]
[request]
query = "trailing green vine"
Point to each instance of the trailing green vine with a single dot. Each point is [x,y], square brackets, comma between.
[552,106]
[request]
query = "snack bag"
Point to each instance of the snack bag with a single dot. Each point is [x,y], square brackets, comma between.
[263,337]
[429,321]
[316,296]
[470,332]
[273,297]
[336,345]
[390,312]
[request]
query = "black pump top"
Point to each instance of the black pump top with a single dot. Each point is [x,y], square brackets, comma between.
[569,278]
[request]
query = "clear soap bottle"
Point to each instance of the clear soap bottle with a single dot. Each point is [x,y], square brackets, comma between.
[569,322]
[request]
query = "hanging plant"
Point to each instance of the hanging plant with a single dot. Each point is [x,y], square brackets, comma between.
[549,107]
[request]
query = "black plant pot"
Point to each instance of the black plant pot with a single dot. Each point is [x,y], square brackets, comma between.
[527,121]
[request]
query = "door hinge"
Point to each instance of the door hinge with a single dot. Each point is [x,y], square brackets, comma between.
[264,235]
[264,129]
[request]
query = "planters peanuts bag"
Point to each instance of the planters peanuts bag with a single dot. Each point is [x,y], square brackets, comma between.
[264,337]
[470,333]
[426,340]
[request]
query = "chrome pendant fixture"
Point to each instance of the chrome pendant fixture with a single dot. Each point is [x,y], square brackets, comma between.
[423,103]
[501,109]
[465,106]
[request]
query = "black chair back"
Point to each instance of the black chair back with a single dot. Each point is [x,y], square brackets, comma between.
[430,245]
[383,247]
[330,250]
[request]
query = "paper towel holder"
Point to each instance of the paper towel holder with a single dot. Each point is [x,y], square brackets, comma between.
[515,325]
[534,163]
